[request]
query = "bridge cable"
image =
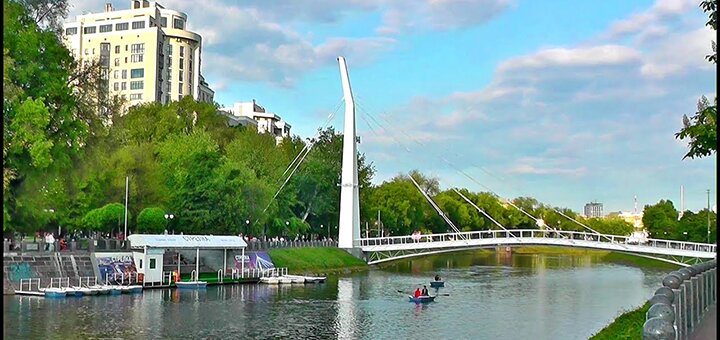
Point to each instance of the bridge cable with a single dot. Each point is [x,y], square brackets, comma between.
[487,188]
[486,214]
[437,209]
[451,164]
[307,149]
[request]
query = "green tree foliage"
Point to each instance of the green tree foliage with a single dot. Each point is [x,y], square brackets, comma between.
[151,221]
[701,128]
[660,220]
[108,219]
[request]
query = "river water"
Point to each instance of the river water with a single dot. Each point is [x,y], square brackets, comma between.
[487,296]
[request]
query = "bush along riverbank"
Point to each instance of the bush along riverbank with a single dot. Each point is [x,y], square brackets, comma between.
[603,255]
[316,261]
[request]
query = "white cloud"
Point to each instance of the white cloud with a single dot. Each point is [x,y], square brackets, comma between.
[404,15]
[662,10]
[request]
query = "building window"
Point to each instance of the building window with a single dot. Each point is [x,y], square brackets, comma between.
[116,86]
[105,28]
[181,78]
[169,49]
[182,51]
[121,27]
[178,24]
[117,49]
[116,74]
[152,263]
[123,86]
[180,86]
[141,261]
[117,61]
[71,31]
[137,48]
[93,51]
[137,73]
[124,74]
[86,51]
[89,30]
[138,25]
[136,96]
[136,58]
[136,85]
[182,63]
[163,21]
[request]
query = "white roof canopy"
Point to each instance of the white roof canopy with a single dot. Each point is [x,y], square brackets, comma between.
[186,241]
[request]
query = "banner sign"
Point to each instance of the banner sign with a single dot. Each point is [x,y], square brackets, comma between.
[254,260]
[115,265]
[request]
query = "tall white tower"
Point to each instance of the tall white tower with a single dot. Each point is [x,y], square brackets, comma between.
[349,224]
[682,203]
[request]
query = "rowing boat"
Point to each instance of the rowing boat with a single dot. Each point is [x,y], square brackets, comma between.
[437,284]
[421,299]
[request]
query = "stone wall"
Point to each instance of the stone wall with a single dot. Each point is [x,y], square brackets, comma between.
[45,267]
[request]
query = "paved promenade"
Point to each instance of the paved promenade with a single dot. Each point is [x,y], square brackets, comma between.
[708,326]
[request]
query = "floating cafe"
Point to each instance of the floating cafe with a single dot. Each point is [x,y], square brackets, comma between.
[169,261]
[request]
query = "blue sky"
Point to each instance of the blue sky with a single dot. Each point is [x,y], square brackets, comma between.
[565,101]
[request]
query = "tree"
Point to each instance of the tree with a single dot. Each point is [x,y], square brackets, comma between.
[106,219]
[151,220]
[701,129]
[660,220]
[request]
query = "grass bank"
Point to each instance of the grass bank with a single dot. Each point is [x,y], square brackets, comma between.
[627,326]
[316,260]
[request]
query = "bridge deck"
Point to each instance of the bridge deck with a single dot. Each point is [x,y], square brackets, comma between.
[537,237]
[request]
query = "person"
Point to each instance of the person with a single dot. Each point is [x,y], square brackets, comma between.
[51,241]
[437,277]
[425,291]
[417,293]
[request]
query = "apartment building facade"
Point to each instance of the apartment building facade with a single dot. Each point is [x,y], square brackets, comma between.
[146,52]
[593,209]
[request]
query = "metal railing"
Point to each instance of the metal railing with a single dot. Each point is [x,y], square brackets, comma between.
[130,278]
[262,245]
[536,233]
[87,281]
[677,308]
[29,283]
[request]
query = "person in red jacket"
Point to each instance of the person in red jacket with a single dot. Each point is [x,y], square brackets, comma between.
[417,293]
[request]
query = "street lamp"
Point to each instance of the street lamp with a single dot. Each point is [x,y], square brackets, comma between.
[169,217]
[247,226]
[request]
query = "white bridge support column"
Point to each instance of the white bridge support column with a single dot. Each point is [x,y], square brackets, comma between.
[349,224]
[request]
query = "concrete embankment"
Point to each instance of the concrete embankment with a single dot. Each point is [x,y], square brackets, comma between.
[46,266]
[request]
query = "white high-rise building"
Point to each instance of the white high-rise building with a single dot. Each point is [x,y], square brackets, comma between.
[147,53]
[254,114]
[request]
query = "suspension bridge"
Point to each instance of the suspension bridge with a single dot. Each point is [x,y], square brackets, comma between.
[382,249]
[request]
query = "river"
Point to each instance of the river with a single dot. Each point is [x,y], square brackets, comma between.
[487,296]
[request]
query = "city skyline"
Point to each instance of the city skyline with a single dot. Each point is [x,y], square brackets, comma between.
[562,115]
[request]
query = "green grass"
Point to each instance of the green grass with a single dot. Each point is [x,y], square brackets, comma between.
[626,326]
[315,260]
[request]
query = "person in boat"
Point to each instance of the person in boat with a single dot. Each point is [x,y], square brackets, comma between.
[417,293]
[437,277]
[425,291]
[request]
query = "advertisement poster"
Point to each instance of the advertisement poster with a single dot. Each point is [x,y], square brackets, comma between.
[254,260]
[115,266]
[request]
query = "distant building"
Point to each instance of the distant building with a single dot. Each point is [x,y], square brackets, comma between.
[250,113]
[593,209]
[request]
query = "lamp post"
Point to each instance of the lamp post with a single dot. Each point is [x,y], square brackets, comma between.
[287,226]
[708,216]
[247,226]
[169,217]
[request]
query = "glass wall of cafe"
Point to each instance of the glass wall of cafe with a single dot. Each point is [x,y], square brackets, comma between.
[162,259]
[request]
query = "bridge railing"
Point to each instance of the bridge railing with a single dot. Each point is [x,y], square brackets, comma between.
[680,304]
[536,233]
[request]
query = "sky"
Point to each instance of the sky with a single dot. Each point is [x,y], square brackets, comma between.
[565,101]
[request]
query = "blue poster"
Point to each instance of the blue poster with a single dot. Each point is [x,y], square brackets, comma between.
[254,260]
[114,267]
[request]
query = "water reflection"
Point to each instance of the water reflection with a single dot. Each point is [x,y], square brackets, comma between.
[487,295]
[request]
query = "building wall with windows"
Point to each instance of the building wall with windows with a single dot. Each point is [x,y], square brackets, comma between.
[266,122]
[148,54]
[593,209]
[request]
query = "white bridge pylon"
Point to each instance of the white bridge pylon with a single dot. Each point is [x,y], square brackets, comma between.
[383,249]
